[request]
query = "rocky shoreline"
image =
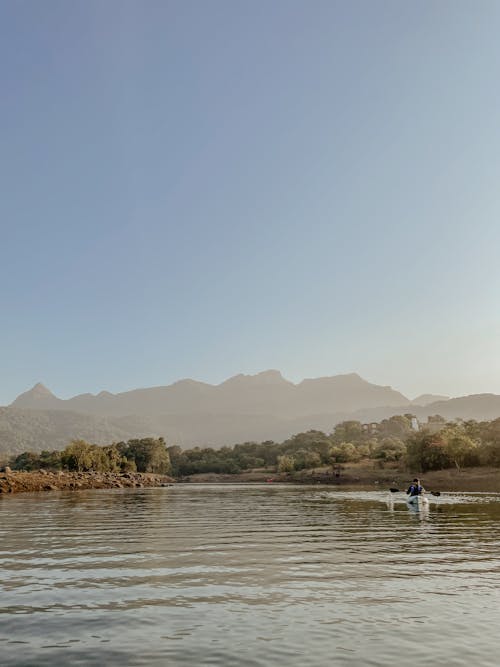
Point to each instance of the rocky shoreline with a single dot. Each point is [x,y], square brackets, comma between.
[352,476]
[44,480]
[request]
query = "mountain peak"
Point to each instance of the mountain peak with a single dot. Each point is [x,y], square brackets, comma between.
[344,379]
[269,377]
[37,396]
[427,399]
[39,390]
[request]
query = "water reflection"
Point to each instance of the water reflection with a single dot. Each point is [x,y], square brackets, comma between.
[248,576]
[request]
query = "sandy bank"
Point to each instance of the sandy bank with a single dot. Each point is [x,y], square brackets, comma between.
[43,480]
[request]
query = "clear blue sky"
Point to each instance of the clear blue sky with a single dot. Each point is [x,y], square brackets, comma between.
[197,189]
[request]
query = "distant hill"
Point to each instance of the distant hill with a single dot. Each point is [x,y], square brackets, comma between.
[482,407]
[258,407]
[35,430]
[265,393]
[426,399]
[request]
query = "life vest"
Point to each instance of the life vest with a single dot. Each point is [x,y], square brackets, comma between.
[415,490]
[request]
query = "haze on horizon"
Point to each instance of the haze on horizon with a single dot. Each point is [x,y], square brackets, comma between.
[200,190]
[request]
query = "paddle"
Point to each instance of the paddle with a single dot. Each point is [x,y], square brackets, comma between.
[433,493]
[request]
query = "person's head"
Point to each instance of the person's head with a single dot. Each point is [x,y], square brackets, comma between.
[416,481]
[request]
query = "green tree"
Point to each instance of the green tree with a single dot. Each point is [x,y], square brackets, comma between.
[348,431]
[176,455]
[149,454]
[78,455]
[286,463]
[460,447]
[343,453]
[313,440]
[50,460]
[305,458]
[398,426]
[390,449]
[427,451]
[26,461]
[489,435]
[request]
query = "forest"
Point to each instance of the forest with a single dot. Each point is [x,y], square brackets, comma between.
[456,444]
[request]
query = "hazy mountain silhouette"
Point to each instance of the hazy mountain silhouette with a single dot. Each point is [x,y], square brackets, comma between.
[426,399]
[265,393]
[35,430]
[258,407]
[38,398]
[482,407]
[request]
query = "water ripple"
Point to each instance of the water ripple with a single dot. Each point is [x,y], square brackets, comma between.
[235,575]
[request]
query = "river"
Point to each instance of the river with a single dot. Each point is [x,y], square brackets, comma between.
[250,576]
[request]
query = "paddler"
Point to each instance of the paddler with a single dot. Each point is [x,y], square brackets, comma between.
[415,488]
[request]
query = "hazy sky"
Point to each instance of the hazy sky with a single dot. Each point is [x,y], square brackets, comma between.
[198,189]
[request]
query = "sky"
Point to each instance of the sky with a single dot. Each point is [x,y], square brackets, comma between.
[199,189]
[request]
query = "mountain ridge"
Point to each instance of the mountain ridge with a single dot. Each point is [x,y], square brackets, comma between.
[267,391]
[264,406]
[24,429]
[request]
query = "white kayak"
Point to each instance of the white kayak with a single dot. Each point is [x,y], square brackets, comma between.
[417,502]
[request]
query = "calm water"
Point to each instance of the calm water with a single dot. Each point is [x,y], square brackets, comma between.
[272,575]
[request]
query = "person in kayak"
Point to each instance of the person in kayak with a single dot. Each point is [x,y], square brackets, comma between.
[415,488]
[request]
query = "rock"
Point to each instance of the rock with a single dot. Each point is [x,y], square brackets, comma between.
[13,482]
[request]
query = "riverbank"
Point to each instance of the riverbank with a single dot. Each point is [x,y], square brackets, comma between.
[355,475]
[43,480]
[366,474]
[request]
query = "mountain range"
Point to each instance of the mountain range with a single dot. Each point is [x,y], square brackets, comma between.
[265,406]
[265,393]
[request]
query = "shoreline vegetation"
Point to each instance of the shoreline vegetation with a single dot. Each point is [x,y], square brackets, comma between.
[454,456]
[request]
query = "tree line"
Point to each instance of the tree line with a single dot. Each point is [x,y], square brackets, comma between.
[448,444]
[349,441]
[140,455]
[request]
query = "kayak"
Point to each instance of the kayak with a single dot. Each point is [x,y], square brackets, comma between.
[417,502]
